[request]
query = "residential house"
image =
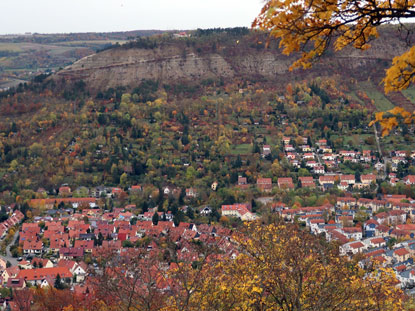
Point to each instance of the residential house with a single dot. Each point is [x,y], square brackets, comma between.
[379,166]
[349,202]
[369,228]
[38,276]
[10,272]
[343,185]
[352,248]
[14,283]
[354,233]
[289,148]
[368,179]
[306,148]
[327,179]
[207,210]
[191,193]
[378,204]
[264,184]
[400,153]
[79,270]
[307,182]
[308,156]
[327,149]
[87,246]
[71,252]
[409,180]
[285,183]
[242,181]
[377,242]
[319,169]
[286,140]
[314,223]
[3,264]
[41,263]
[32,247]
[136,188]
[397,217]
[321,142]
[312,164]
[350,179]
[238,210]
[64,191]
[401,254]
[266,150]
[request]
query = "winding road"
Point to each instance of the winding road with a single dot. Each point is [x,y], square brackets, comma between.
[9,256]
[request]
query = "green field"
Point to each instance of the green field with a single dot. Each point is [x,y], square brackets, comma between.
[12,47]
[396,142]
[242,149]
[381,102]
[354,97]
[90,43]
[271,140]
[409,93]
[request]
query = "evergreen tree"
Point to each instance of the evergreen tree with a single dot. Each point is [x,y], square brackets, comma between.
[155,218]
[58,282]
[190,213]
[176,221]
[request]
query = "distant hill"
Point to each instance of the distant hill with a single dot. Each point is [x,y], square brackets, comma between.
[205,55]
[24,56]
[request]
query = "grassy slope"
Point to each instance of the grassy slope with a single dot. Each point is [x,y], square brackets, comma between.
[381,102]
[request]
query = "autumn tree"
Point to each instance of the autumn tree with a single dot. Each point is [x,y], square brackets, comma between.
[283,268]
[310,26]
[22,299]
[52,299]
[129,282]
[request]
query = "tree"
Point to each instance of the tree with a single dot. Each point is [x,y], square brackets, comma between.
[129,282]
[23,299]
[155,218]
[123,179]
[310,26]
[279,267]
[58,282]
[284,268]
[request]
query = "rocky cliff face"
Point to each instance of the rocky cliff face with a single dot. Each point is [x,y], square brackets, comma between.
[172,63]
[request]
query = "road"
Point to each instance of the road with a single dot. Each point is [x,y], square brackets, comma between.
[385,159]
[9,256]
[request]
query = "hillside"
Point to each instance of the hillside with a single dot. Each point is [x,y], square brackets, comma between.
[113,119]
[232,56]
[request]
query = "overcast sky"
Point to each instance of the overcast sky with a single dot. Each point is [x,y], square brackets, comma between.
[57,16]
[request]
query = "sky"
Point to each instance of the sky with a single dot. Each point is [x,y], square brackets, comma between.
[65,16]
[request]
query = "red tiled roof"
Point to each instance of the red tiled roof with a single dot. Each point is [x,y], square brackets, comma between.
[264,181]
[401,252]
[317,221]
[375,253]
[357,245]
[410,227]
[372,221]
[42,273]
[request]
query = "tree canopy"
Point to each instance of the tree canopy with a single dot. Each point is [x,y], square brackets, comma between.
[279,267]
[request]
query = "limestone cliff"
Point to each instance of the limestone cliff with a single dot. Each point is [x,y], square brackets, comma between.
[174,62]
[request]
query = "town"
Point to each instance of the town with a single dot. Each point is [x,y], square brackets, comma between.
[63,242]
